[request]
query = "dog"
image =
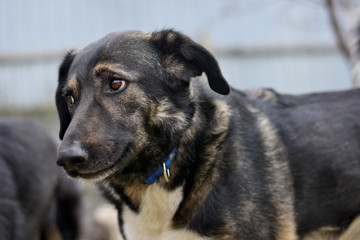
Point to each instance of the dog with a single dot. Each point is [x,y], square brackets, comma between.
[150,118]
[37,200]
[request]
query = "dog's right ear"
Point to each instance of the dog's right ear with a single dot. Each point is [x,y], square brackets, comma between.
[61,103]
[181,59]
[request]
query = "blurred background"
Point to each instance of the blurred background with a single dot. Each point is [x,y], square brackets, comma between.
[288,45]
[293,46]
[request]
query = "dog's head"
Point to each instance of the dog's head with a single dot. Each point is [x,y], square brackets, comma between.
[126,97]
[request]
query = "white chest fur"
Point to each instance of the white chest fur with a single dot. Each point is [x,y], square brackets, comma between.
[153,222]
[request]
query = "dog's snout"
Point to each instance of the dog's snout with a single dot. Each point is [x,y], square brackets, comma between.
[72,159]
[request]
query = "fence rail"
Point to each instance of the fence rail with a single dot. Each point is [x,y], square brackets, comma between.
[28,80]
[30,57]
[237,51]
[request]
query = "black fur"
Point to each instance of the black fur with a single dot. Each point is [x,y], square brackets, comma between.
[255,165]
[322,137]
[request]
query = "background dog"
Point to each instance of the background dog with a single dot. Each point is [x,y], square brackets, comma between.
[37,201]
[180,160]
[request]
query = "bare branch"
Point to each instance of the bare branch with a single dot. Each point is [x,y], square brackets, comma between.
[337,29]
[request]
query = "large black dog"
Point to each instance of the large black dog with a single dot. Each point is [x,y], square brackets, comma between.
[36,200]
[181,160]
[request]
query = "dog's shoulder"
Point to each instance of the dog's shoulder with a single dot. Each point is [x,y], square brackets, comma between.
[270,98]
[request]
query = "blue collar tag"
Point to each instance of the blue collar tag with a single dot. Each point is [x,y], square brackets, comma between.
[163,169]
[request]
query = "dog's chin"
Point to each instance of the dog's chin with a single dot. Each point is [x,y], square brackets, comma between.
[96,175]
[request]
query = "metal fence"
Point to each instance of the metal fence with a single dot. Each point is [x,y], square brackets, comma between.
[259,43]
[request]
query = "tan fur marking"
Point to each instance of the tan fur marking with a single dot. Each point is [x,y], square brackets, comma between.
[115,68]
[170,38]
[175,66]
[332,233]
[163,114]
[353,231]
[99,177]
[323,234]
[266,95]
[136,193]
[207,173]
[73,85]
[279,180]
[219,126]
[222,117]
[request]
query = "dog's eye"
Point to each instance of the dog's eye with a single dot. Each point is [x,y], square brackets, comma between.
[70,100]
[117,84]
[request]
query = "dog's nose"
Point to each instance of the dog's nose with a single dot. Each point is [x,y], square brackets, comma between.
[72,158]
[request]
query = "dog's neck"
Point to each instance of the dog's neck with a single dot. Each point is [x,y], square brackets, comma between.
[198,142]
[163,170]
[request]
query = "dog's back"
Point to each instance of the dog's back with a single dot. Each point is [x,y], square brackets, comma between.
[321,137]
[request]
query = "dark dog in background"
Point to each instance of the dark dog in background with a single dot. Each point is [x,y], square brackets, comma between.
[180,160]
[36,200]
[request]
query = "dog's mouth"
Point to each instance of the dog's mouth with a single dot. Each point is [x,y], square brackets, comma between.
[98,175]
[105,172]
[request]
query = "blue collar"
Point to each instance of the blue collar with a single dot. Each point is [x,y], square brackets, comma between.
[164,169]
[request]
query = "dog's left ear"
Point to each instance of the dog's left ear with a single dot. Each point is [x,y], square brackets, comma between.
[181,58]
[61,103]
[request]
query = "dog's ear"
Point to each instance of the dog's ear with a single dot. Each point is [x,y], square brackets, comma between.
[181,58]
[61,103]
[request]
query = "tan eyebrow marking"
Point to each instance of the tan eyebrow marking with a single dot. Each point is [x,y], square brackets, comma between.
[114,68]
[73,85]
